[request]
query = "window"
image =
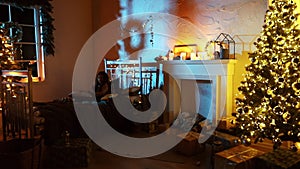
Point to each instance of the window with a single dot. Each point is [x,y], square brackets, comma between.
[31,46]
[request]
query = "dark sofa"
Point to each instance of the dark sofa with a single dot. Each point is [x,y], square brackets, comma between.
[60,116]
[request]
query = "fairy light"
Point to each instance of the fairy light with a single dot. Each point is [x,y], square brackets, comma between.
[271,86]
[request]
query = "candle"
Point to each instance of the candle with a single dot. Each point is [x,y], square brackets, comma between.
[171,55]
[193,56]
[183,56]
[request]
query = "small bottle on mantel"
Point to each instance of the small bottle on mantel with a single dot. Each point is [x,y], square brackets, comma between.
[170,55]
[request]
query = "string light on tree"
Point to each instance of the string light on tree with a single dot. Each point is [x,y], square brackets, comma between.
[7,50]
[269,107]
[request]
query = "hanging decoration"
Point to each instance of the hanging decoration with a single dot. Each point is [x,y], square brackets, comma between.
[150,19]
[46,21]
[140,28]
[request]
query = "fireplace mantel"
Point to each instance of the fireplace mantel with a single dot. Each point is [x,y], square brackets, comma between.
[180,77]
[199,68]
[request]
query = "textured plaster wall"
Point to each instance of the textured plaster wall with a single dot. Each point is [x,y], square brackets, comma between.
[75,21]
[242,19]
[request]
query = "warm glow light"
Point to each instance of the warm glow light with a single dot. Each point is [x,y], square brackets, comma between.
[271,86]
[19,73]
[25,80]
[297,144]
[187,49]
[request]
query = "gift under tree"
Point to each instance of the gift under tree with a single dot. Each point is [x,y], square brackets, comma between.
[269,103]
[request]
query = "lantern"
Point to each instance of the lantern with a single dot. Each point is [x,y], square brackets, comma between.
[224,47]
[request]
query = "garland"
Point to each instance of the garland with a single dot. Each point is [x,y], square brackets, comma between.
[47,20]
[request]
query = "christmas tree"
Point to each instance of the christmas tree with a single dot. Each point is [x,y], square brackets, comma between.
[10,33]
[269,106]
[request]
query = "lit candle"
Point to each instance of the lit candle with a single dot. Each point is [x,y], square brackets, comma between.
[171,55]
[182,55]
[193,56]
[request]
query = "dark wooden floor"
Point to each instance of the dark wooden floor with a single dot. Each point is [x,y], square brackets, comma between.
[169,160]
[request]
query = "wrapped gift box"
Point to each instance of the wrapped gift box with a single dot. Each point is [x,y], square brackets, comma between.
[75,154]
[239,157]
[226,123]
[227,140]
[189,144]
[279,159]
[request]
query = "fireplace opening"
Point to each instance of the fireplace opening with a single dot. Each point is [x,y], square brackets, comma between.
[203,87]
[204,98]
[197,97]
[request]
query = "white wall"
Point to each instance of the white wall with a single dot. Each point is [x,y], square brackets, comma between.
[76,20]
[242,19]
[73,23]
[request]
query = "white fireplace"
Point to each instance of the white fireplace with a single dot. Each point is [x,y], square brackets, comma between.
[201,86]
